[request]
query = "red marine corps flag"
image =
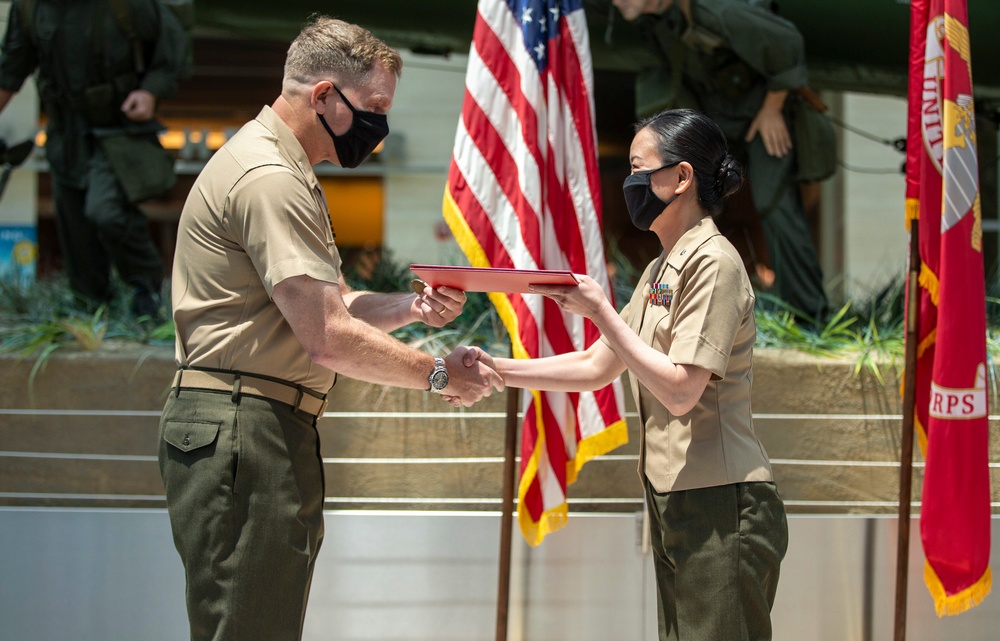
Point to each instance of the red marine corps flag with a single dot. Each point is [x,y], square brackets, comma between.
[942,182]
[524,192]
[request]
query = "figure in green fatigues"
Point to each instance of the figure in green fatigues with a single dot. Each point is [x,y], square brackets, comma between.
[101,67]
[736,61]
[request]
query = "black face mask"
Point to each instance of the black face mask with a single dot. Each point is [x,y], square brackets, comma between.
[643,205]
[357,143]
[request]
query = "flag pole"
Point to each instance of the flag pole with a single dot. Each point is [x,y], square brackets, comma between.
[906,442]
[507,512]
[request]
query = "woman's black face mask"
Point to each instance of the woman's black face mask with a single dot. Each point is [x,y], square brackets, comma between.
[643,205]
[367,130]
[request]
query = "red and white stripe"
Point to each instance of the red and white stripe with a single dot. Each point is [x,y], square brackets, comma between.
[524,192]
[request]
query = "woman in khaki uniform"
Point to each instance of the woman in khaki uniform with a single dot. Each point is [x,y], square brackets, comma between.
[686,337]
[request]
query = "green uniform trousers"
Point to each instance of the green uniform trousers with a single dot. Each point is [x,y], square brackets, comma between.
[98,227]
[798,276]
[717,552]
[245,489]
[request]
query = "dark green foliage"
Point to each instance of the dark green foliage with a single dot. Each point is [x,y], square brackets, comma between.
[38,317]
[35,319]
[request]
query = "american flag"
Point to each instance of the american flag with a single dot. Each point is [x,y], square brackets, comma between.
[524,192]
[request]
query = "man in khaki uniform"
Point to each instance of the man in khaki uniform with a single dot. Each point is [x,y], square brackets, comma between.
[264,323]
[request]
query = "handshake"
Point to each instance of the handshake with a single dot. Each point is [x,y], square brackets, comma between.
[472,375]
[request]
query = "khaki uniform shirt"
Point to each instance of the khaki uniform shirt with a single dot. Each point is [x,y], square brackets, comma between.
[708,322]
[255,216]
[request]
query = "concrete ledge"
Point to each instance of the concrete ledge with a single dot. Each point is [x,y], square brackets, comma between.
[90,438]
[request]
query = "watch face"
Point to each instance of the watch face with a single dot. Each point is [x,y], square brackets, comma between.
[439,380]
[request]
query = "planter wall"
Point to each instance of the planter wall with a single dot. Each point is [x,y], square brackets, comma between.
[83,430]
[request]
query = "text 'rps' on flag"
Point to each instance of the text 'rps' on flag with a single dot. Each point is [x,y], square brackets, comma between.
[942,198]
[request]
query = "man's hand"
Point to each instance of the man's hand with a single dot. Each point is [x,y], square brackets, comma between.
[770,124]
[139,105]
[472,354]
[439,306]
[471,377]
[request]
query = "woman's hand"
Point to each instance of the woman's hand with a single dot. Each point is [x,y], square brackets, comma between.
[470,357]
[586,299]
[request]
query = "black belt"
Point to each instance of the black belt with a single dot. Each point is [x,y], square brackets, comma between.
[300,398]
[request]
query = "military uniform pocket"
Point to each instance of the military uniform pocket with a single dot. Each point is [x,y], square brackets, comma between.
[190,435]
[143,167]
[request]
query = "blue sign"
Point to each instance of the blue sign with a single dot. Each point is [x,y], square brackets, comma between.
[18,252]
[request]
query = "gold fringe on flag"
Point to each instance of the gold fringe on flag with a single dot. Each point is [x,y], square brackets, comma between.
[604,441]
[469,244]
[912,211]
[949,605]
[462,232]
[921,435]
[926,344]
[609,438]
[929,281]
[551,519]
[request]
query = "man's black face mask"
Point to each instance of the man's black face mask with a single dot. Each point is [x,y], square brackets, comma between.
[357,143]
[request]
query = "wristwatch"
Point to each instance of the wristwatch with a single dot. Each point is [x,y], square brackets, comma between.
[439,377]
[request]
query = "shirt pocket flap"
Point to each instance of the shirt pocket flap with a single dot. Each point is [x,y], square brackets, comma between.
[190,435]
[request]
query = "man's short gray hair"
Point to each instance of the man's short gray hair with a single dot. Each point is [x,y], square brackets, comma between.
[327,46]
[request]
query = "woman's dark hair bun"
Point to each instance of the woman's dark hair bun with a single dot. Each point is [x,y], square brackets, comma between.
[728,176]
[685,135]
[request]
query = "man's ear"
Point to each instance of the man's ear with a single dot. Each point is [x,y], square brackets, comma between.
[320,95]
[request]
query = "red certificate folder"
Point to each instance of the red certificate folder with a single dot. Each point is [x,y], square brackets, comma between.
[490,279]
